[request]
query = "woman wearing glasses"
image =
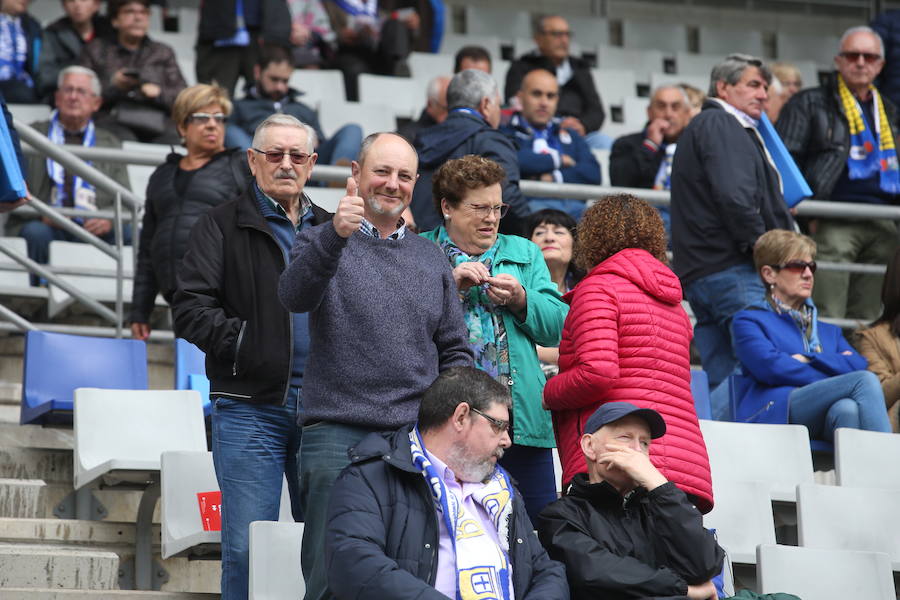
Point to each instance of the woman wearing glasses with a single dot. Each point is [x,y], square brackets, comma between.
[180,191]
[510,304]
[797,369]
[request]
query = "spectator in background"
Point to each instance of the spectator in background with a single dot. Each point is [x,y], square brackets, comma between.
[20,52]
[627,338]
[547,151]
[140,78]
[256,351]
[644,159]
[367,320]
[726,193]
[579,104]
[696,97]
[64,39]
[179,192]
[879,343]
[437,484]
[624,530]
[472,57]
[271,93]
[471,128]
[312,38]
[843,137]
[789,77]
[77,98]
[510,305]
[435,110]
[230,34]
[776,100]
[7,207]
[887,25]
[797,369]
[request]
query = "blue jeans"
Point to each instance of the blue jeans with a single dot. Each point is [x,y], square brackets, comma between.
[532,468]
[715,299]
[324,450]
[852,400]
[573,208]
[254,446]
[343,145]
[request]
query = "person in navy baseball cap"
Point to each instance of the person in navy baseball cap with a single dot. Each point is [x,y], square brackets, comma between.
[613,411]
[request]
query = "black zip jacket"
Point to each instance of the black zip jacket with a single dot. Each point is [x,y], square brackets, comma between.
[816,133]
[382,538]
[650,545]
[632,164]
[217,21]
[227,302]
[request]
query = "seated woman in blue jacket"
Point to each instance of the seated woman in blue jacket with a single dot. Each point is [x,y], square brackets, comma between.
[796,368]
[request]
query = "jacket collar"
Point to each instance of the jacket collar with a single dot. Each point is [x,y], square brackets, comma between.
[603,494]
[392,447]
[248,214]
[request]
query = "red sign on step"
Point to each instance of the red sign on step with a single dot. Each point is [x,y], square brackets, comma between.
[210,510]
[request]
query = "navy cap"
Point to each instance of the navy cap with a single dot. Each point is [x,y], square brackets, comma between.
[613,411]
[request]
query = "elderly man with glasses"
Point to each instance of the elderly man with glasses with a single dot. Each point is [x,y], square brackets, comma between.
[256,351]
[843,137]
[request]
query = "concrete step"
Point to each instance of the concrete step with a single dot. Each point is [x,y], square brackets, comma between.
[36,499]
[53,566]
[22,498]
[13,435]
[53,466]
[36,594]
[10,392]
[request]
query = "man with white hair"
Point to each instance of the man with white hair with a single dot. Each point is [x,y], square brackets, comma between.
[435,110]
[473,100]
[77,98]
[843,137]
[227,304]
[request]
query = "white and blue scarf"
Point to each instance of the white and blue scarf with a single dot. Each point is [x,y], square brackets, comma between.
[482,568]
[55,170]
[13,50]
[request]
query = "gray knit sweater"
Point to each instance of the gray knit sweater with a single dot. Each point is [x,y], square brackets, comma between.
[384,320]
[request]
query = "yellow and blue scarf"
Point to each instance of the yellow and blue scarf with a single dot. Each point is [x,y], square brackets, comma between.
[864,160]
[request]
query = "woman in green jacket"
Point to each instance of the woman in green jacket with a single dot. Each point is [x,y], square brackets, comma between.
[510,304]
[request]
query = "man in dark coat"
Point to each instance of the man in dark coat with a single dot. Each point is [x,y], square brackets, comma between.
[64,39]
[471,128]
[623,530]
[392,508]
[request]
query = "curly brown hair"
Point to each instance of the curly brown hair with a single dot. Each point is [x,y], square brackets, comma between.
[615,223]
[458,176]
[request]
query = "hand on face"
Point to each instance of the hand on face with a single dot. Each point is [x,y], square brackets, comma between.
[633,463]
[656,130]
[350,211]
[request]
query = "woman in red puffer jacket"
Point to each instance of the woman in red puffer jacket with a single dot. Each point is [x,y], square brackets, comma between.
[626,338]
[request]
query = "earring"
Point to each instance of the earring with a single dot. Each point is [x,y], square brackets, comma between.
[446,217]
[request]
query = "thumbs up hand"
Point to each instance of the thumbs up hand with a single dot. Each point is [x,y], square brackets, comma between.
[349,211]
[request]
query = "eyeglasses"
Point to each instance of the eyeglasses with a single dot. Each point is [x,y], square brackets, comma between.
[498,425]
[854,56]
[483,211]
[203,118]
[76,91]
[275,156]
[559,34]
[797,265]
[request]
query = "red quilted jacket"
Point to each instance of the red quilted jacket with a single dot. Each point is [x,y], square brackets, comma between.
[626,338]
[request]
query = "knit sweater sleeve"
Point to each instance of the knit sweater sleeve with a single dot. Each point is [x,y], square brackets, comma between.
[314,261]
[452,336]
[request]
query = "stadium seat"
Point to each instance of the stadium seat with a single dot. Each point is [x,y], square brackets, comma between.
[742,518]
[814,574]
[777,455]
[849,518]
[371,117]
[639,62]
[182,43]
[700,392]
[138,177]
[320,87]
[697,65]
[190,371]
[860,456]
[425,66]
[792,46]
[160,150]
[406,96]
[634,113]
[100,286]
[715,41]
[188,69]
[55,364]
[326,198]
[483,19]
[614,85]
[666,37]
[275,561]
[29,113]
[589,32]
[701,82]
[602,157]
[14,279]
[809,72]
[499,69]
[453,42]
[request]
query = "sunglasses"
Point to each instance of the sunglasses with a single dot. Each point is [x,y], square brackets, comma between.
[797,265]
[854,56]
[202,118]
[275,156]
[498,425]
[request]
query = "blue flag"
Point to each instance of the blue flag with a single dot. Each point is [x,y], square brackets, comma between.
[795,186]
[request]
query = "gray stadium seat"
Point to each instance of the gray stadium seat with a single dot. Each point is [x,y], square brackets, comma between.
[589,32]
[860,456]
[667,37]
[326,198]
[640,62]
[498,70]
[29,113]
[614,85]
[425,66]
[742,518]
[820,48]
[15,281]
[602,157]
[700,82]
[404,95]
[699,65]
[814,574]
[319,86]
[634,111]
[809,72]
[777,455]
[139,176]
[275,561]
[371,117]
[484,19]
[715,41]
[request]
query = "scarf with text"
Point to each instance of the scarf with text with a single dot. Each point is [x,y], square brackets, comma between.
[13,50]
[83,194]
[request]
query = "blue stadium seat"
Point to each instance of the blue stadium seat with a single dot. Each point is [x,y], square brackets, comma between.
[190,371]
[700,392]
[56,364]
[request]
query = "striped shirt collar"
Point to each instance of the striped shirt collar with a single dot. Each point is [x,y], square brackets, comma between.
[370,230]
[743,118]
[267,202]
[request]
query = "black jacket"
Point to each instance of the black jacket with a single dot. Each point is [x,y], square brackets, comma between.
[816,133]
[725,194]
[168,219]
[460,134]
[578,98]
[382,538]
[227,302]
[62,46]
[632,164]
[651,545]
[887,24]
[217,21]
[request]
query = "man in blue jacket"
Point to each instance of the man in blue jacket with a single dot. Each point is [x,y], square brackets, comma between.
[547,151]
[393,509]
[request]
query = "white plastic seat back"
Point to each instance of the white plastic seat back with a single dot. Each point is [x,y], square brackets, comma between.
[640,62]
[319,86]
[613,86]
[742,519]
[701,82]
[406,96]
[634,112]
[326,198]
[29,113]
[15,281]
[668,37]
[483,19]
[129,429]
[602,157]
[860,458]
[818,47]
[824,574]
[698,65]
[425,65]
[716,41]
[589,31]
[371,117]
[275,561]
[777,455]
[99,286]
